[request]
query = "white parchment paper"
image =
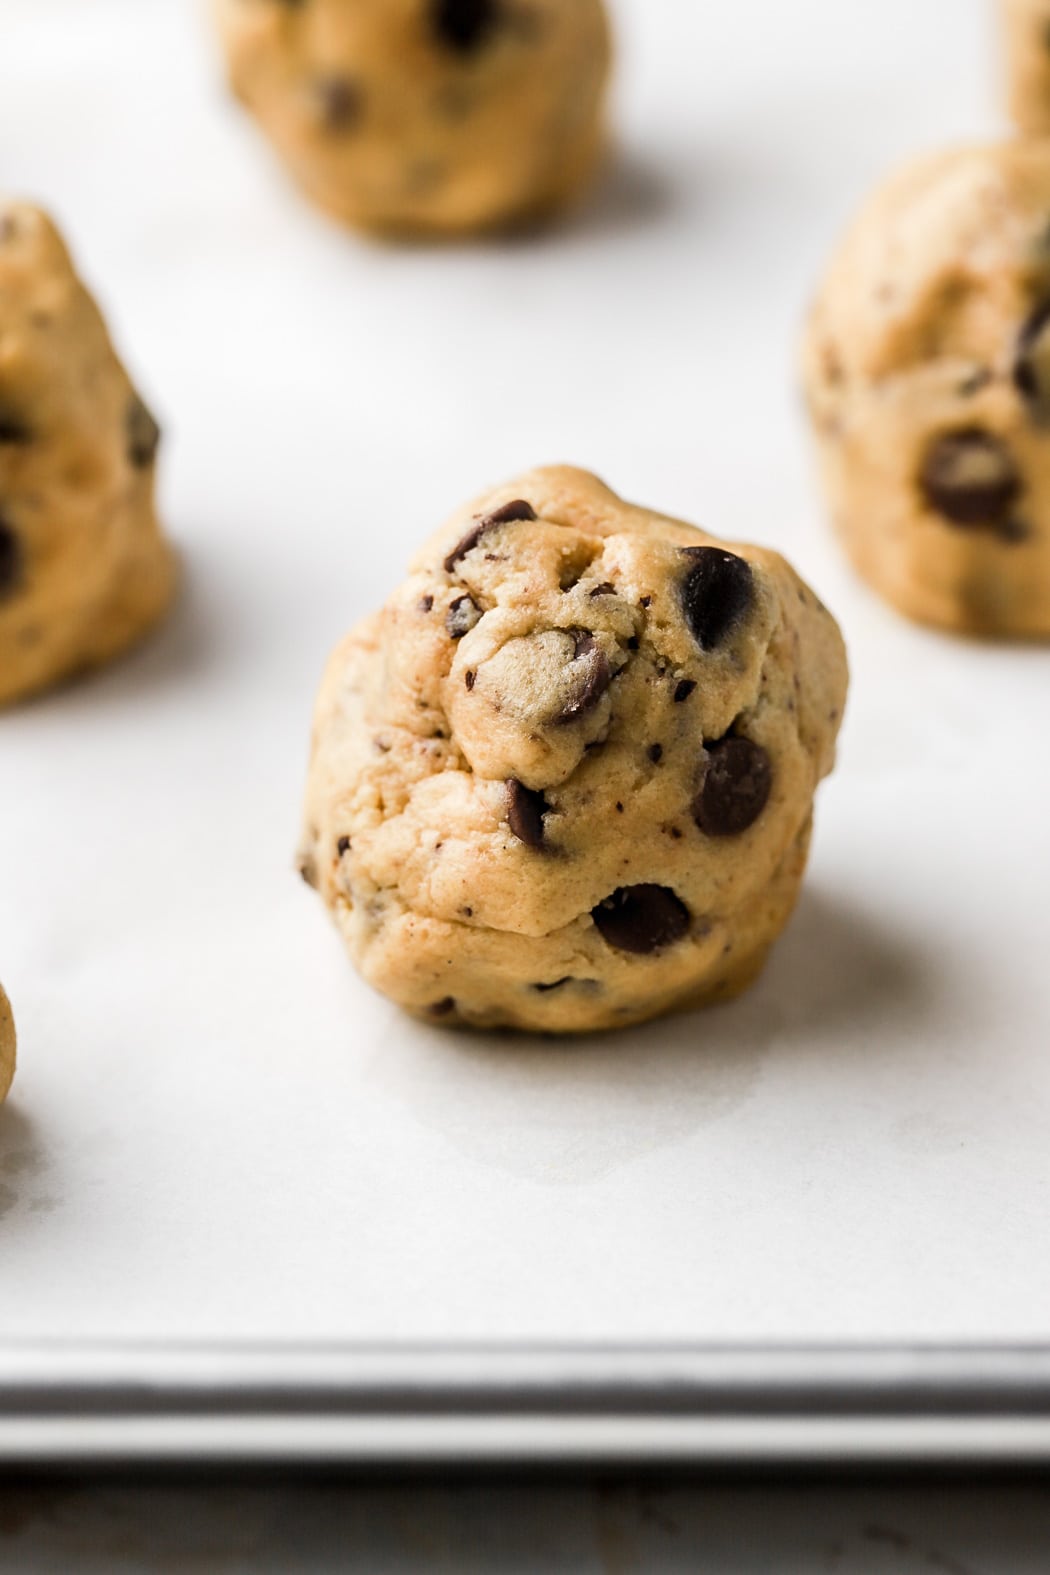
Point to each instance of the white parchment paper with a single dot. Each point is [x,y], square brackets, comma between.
[216,1129]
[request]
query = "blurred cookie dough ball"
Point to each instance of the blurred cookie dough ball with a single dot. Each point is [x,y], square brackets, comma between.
[564,779]
[84,570]
[7,1045]
[927,368]
[1027,32]
[426,116]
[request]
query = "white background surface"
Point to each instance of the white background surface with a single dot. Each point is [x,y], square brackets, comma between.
[216,1130]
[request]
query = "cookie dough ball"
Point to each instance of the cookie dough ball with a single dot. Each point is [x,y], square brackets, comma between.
[564,779]
[7,1046]
[1027,28]
[928,375]
[426,116]
[83,568]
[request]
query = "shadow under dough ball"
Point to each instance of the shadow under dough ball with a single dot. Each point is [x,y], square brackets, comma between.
[426,117]
[927,371]
[84,569]
[564,779]
[7,1046]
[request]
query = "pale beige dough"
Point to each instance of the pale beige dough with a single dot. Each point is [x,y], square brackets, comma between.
[426,116]
[7,1046]
[564,779]
[84,570]
[927,368]
[1026,27]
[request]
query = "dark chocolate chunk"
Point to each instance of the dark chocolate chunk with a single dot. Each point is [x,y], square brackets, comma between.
[1032,360]
[970,478]
[442,1008]
[340,103]
[525,811]
[735,789]
[596,680]
[517,510]
[10,559]
[463,615]
[343,846]
[470,680]
[641,919]
[604,589]
[558,984]
[656,753]
[683,690]
[143,434]
[426,604]
[12,429]
[464,25]
[717,592]
[646,601]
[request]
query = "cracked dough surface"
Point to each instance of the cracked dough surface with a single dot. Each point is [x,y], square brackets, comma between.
[7,1046]
[84,570]
[927,369]
[426,116]
[564,779]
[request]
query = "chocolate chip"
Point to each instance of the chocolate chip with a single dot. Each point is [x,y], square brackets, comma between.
[10,559]
[340,103]
[470,680]
[596,680]
[1031,372]
[343,846]
[656,753]
[641,919]
[13,429]
[646,601]
[517,510]
[970,478]
[426,604]
[604,589]
[464,25]
[558,984]
[735,789]
[143,434]
[716,593]
[463,615]
[442,1008]
[525,812]
[683,690]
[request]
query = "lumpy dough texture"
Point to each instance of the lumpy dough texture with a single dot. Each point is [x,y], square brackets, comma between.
[927,367]
[84,570]
[7,1046]
[1027,28]
[426,116]
[564,779]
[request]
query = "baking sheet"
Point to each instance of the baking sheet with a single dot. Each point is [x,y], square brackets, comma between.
[216,1131]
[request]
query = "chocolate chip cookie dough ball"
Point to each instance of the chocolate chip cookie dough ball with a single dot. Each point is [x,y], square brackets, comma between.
[426,116]
[564,779]
[1027,30]
[7,1046]
[83,568]
[927,366]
